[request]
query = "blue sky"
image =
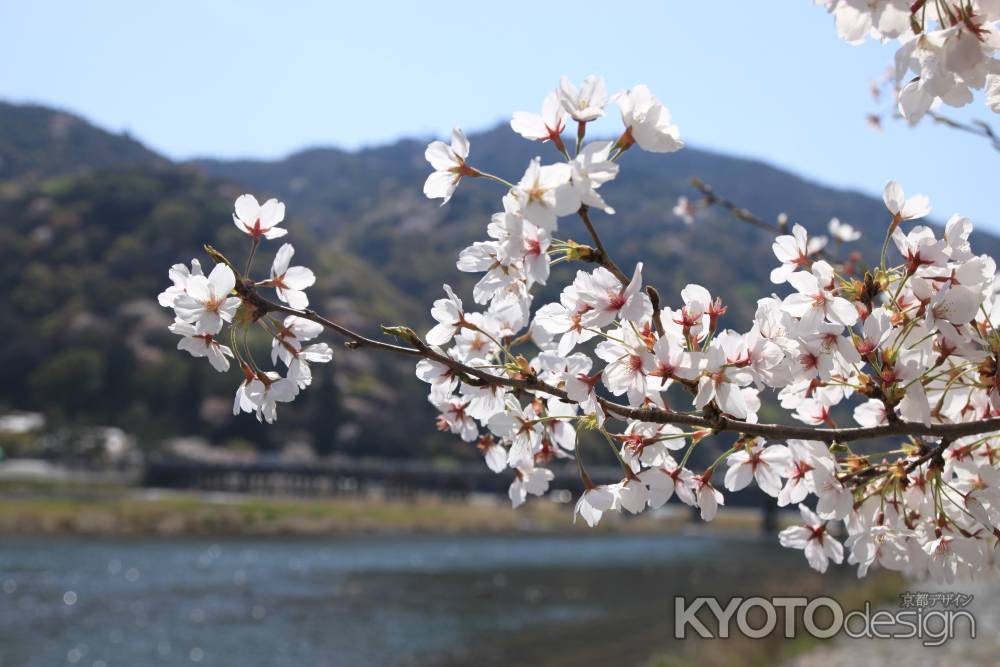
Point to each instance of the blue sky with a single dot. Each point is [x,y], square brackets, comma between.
[261,79]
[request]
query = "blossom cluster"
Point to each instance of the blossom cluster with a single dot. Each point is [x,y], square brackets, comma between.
[946,48]
[913,343]
[202,305]
[906,348]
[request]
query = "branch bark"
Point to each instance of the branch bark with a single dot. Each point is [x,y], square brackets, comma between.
[603,258]
[652,414]
[976,127]
[740,213]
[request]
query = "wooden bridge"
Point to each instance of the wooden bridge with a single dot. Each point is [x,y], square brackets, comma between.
[391,479]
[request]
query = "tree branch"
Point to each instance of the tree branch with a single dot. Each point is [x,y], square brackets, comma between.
[263,306]
[738,211]
[652,414]
[602,256]
[976,127]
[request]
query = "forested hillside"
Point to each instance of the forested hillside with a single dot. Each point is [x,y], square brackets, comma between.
[91,222]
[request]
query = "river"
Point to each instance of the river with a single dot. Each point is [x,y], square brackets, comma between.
[365,601]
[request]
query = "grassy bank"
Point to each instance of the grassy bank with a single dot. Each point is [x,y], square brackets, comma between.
[111,510]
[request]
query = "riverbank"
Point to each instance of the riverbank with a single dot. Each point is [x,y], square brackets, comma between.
[51,509]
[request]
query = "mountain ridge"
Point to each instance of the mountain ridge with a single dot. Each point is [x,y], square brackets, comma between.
[92,238]
[39,142]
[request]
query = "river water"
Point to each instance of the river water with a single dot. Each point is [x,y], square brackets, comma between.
[363,601]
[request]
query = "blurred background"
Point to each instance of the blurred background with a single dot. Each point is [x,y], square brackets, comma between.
[143,524]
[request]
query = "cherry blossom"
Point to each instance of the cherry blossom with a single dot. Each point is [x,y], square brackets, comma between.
[529,481]
[919,248]
[259,220]
[289,336]
[647,122]
[795,251]
[494,454]
[548,126]
[906,346]
[815,301]
[945,49]
[685,210]
[813,537]
[590,170]
[546,193]
[707,496]
[585,103]
[801,459]
[917,206]
[608,299]
[628,362]
[450,317]
[660,484]
[202,345]
[755,462]
[449,166]
[455,417]
[565,319]
[593,504]
[266,391]
[179,275]
[206,301]
[842,231]
[299,369]
[290,282]
[993,92]
[522,428]
[721,380]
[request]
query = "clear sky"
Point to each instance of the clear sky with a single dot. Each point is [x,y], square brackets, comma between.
[768,79]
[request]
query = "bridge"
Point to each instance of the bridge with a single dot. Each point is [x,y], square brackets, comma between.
[388,478]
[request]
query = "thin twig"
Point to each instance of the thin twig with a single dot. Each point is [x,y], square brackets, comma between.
[976,127]
[603,258]
[740,213]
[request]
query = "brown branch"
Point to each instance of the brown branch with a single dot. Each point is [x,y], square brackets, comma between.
[654,298]
[976,127]
[601,254]
[263,306]
[652,414]
[782,431]
[738,211]
[930,454]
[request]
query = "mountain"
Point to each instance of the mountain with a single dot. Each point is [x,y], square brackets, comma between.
[85,341]
[37,142]
[91,221]
[370,203]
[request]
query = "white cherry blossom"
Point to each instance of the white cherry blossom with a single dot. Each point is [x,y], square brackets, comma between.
[259,220]
[917,206]
[842,231]
[586,103]
[449,166]
[202,345]
[647,122]
[290,282]
[207,302]
[765,465]
[548,126]
[593,504]
[814,538]
[546,193]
